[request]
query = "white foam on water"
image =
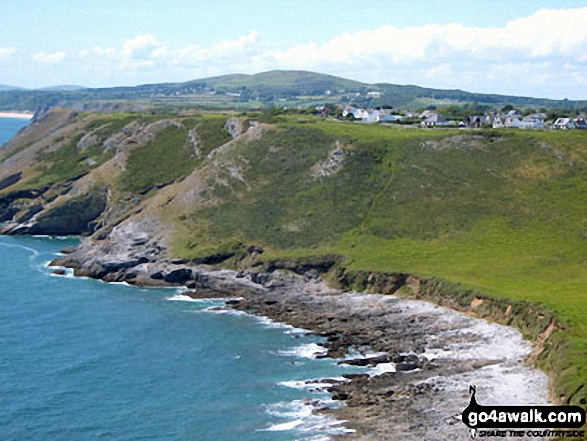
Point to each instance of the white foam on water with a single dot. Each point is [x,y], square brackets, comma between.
[303,419]
[183,298]
[34,252]
[224,311]
[68,273]
[313,384]
[308,350]
[381,368]
[285,426]
[354,354]
[272,324]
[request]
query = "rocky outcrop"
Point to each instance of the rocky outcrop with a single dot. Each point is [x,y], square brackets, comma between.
[331,165]
[74,216]
[234,126]
[194,142]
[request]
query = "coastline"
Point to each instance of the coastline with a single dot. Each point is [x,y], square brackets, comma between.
[426,355]
[17,115]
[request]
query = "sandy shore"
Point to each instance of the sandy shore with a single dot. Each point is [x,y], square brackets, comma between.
[20,115]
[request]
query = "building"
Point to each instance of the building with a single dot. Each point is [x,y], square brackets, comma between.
[533,121]
[475,121]
[512,122]
[434,119]
[564,124]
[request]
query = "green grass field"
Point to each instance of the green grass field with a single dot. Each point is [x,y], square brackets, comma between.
[502,212]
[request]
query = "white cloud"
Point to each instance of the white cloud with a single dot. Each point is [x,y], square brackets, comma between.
[98,52]
[524,56]
[6,52]
[238,50]
[143,47]
[49,57]
[547,33]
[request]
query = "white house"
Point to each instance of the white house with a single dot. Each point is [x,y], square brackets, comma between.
[534,121]
[564,124]
[512,122]
[357,113]
[581,123]
[390,117]
[514,114]
[434,119]
[498,122]
[475,121]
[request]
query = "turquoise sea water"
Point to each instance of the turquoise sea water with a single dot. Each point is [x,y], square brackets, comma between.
[84,360]
[9,126]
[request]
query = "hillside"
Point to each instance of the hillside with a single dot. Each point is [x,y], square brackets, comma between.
[269,89]
[492,214]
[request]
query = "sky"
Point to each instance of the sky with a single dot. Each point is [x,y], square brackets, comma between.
[523,47]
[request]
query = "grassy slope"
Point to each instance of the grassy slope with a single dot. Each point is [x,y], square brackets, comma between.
[502,212]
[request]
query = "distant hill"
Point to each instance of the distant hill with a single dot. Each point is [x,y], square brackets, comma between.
[283,82]
[64,88]
[4,88]
[269,89]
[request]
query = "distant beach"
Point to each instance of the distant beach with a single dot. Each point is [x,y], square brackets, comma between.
[23,115]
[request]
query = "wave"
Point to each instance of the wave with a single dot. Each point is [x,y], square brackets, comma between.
[288,329]
[304,420]
[184,298]
[308,350]
[34,252]
[314,385]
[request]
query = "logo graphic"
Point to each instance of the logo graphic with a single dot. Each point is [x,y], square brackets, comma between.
[476,417]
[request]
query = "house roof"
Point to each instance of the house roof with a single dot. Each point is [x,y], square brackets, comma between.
[434,118]
[562,121]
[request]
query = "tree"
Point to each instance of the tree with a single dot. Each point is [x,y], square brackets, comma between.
[507,108]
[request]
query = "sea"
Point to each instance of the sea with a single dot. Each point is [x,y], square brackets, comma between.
[10,126]
[81,359]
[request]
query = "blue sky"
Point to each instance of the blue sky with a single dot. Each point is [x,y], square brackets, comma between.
[522,47]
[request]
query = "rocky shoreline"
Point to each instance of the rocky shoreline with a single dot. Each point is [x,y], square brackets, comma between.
[427,355]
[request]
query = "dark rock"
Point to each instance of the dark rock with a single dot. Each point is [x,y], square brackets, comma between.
[10,180]
[179,276]
[233,302]
[139,241]
[72,217]
[255,249]
[214,259]
[406,366]
[260,278]
[59,272]
[371,361]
